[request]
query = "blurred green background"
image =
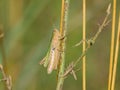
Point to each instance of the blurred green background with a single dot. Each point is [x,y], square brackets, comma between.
[28,26]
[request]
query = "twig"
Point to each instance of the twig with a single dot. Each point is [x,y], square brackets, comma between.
[63,28]
[7,79]
[112,44]
[116,57]
[71,71]
[90,42]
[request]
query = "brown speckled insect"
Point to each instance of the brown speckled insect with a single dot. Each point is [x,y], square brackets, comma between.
[52,59]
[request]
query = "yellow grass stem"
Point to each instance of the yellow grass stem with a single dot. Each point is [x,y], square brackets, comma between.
[62,16]
[116,57]
[112,44]
[84,45]
[63,28]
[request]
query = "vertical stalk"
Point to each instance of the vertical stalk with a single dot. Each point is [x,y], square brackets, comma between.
[112,44]
[63,28]
[84,45]
[116,57]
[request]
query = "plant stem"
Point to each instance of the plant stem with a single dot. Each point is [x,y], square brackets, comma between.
[84,45]
[116,57]
[90,42]
[112,44]
[63,28]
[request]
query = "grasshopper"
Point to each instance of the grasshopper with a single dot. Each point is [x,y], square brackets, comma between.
[52,59]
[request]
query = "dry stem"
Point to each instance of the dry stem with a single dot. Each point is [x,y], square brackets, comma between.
[112,44]
[116,57]
[84,45]
[7,79]
[63,28]
[90,42]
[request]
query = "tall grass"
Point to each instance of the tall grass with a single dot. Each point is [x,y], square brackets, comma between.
[112,44]
[84,44]
[116,56]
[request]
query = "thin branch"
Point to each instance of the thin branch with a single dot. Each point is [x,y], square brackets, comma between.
[7,79]
[90,43]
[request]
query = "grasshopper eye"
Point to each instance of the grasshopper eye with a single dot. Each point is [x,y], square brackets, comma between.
[53,48]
